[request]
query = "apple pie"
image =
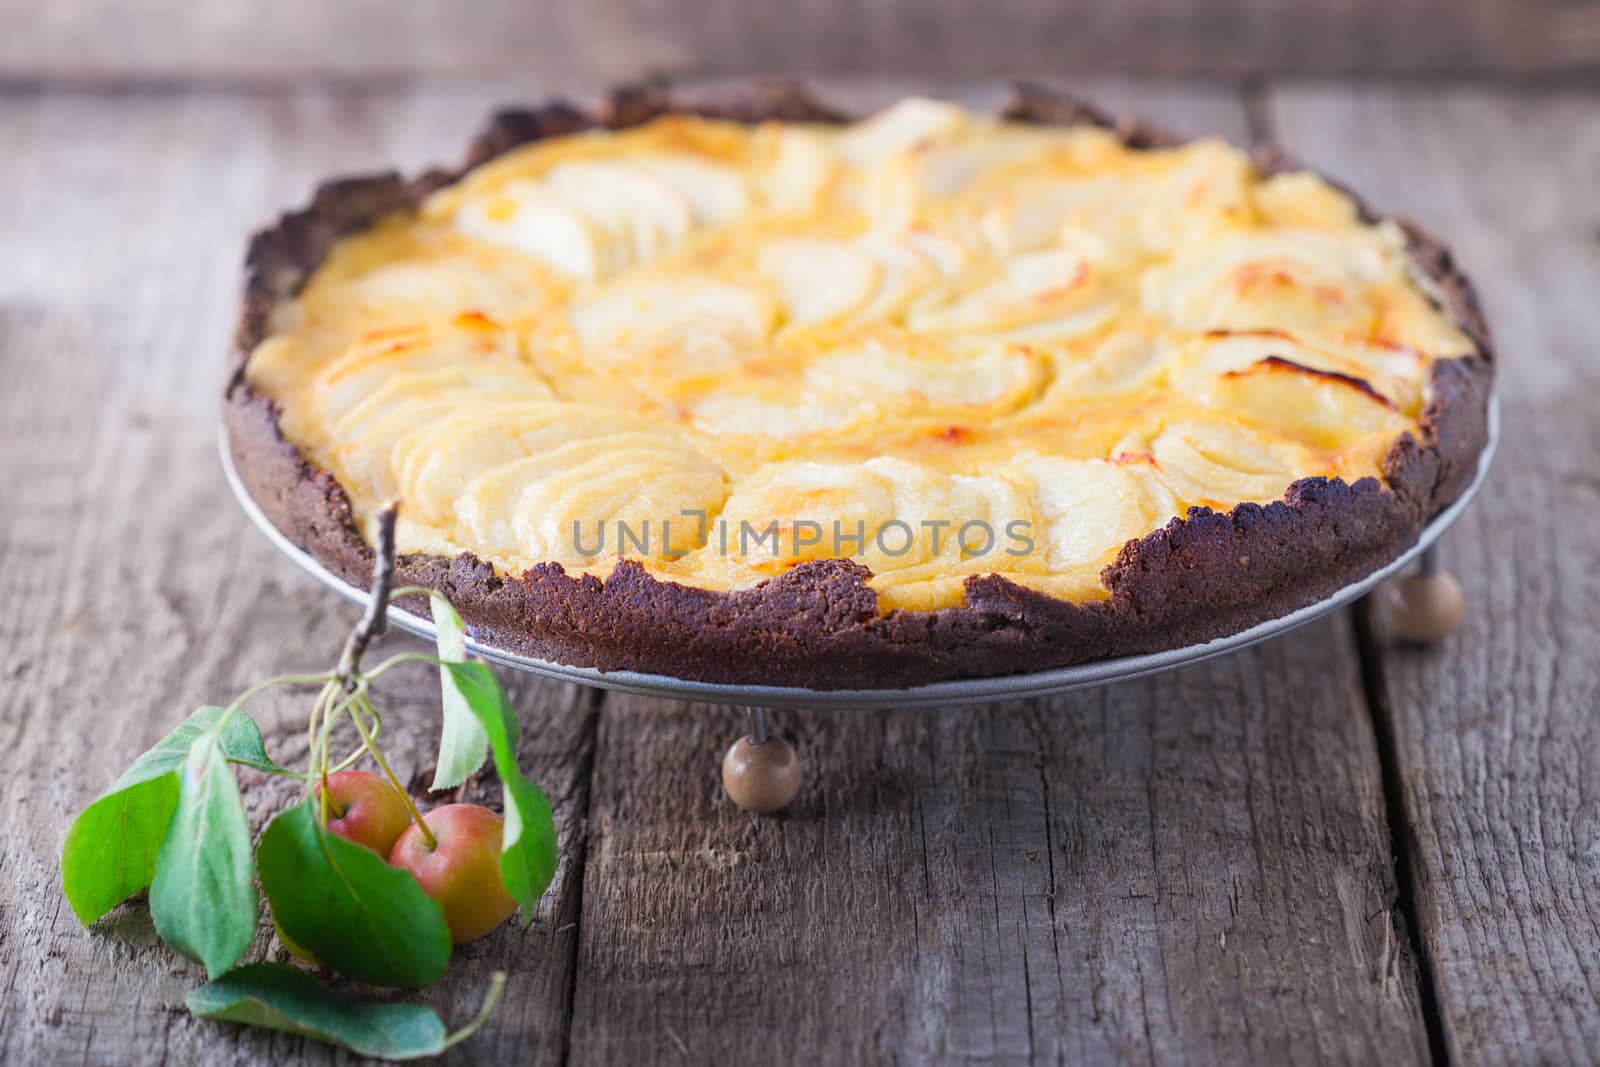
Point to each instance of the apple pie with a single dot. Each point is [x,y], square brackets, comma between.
[748,391]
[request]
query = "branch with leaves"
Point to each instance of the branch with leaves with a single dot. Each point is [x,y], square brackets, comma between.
[378,899]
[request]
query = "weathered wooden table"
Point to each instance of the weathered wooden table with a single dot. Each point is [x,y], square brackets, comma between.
[1324,848]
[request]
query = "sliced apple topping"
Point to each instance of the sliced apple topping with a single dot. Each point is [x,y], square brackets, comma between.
[640,214]
[469,341]
[1024,217]
[369,432]
[818,280]
[592,218]
[434,289]
[434,463]
[526,216]
[891,514]
[802,168]
[905,125]
[1041,295]
[695,323]
[1121,362]
[919,179]
[786,512]
[1091,507]
[1395,374]
[904,272]
[1218,463]
[910,374]
[572,502]
[1324,408]
[716,193]
[923,317]
[1296,280]
[779,408]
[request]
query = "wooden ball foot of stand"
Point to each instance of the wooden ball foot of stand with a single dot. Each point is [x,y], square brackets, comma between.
[1426,607]
[761,772]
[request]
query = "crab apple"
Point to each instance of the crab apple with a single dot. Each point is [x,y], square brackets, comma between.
[462,870]
[364,808]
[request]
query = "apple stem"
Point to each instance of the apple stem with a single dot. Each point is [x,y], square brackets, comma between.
[497,985]
[330,803]
[375,620]
[383,764]
[318,706]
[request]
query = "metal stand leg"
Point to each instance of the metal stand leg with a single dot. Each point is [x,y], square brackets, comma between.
[1427,606]
[757,719]
[761,772]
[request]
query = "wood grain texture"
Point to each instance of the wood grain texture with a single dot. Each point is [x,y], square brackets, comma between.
[174,39]
[135,588]
[1189,869]
[1496,739]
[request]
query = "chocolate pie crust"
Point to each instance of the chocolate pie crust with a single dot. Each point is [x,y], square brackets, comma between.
[1198,578]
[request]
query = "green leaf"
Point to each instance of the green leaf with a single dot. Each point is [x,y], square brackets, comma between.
[280,997]
[110,851]
[463,746]
[347,907]
[241,743]
[203,898]
[528,849]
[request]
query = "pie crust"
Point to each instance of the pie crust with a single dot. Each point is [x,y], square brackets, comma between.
[820,623]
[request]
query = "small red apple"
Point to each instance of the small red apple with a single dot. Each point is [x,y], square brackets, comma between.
[364,808]
[462,872]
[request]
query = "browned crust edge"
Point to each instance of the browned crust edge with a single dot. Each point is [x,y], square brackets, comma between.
[1198,578]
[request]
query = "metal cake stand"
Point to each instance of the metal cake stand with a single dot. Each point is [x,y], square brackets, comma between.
[757,699]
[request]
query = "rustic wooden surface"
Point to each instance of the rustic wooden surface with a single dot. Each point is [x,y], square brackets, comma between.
[166,40]
[1199,867]
[1496,738]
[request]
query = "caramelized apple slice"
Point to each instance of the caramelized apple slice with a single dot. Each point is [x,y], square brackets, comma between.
[1394,373]
[1320,407]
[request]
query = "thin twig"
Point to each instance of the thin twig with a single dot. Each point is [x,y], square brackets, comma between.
[375,621]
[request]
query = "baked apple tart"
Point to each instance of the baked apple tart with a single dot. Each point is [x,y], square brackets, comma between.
[747,391]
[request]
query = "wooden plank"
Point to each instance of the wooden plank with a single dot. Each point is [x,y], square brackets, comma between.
[171,39]
[135,587]
[1495,731]
[1193,868]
